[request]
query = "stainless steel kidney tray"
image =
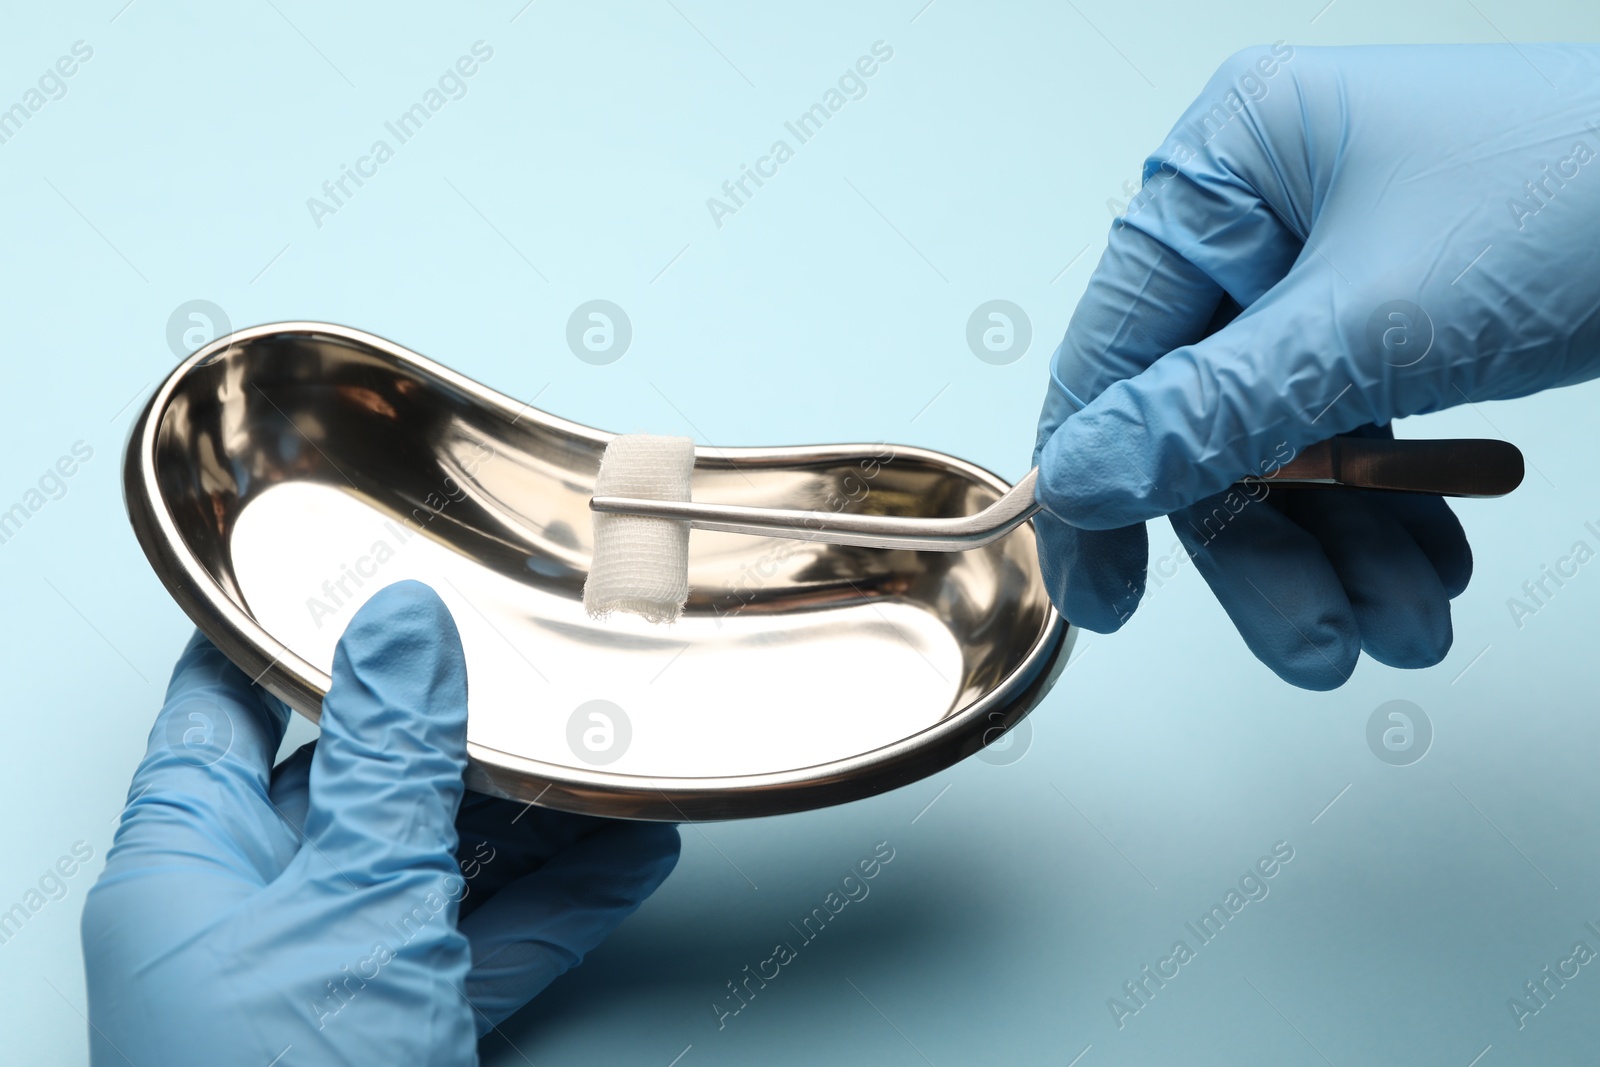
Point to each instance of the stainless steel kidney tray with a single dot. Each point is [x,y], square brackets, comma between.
[284,473]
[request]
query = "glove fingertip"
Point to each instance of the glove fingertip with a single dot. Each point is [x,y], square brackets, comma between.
[386,776]
[1092,481]
[1321,672]
[402,647]
[1098,616]
[1438,532]
[1413,639]
[406,617]
[1318,655]
[1095,578]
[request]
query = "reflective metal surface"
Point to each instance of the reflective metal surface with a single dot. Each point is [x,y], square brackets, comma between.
[285,473]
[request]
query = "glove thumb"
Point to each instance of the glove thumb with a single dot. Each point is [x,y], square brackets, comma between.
[386,778]
[1244,401]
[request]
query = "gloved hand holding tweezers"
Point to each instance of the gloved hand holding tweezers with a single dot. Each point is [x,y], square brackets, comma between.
[1329,239]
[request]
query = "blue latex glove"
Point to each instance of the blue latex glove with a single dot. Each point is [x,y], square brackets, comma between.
[1329,239]
[350,906]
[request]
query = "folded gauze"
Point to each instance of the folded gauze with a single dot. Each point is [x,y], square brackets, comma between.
[641,565]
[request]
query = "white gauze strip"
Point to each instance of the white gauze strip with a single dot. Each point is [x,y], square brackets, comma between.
[641,565]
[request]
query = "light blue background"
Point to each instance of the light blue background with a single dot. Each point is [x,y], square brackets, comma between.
[832,307]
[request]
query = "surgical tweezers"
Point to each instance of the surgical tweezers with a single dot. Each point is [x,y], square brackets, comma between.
[1454,468]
